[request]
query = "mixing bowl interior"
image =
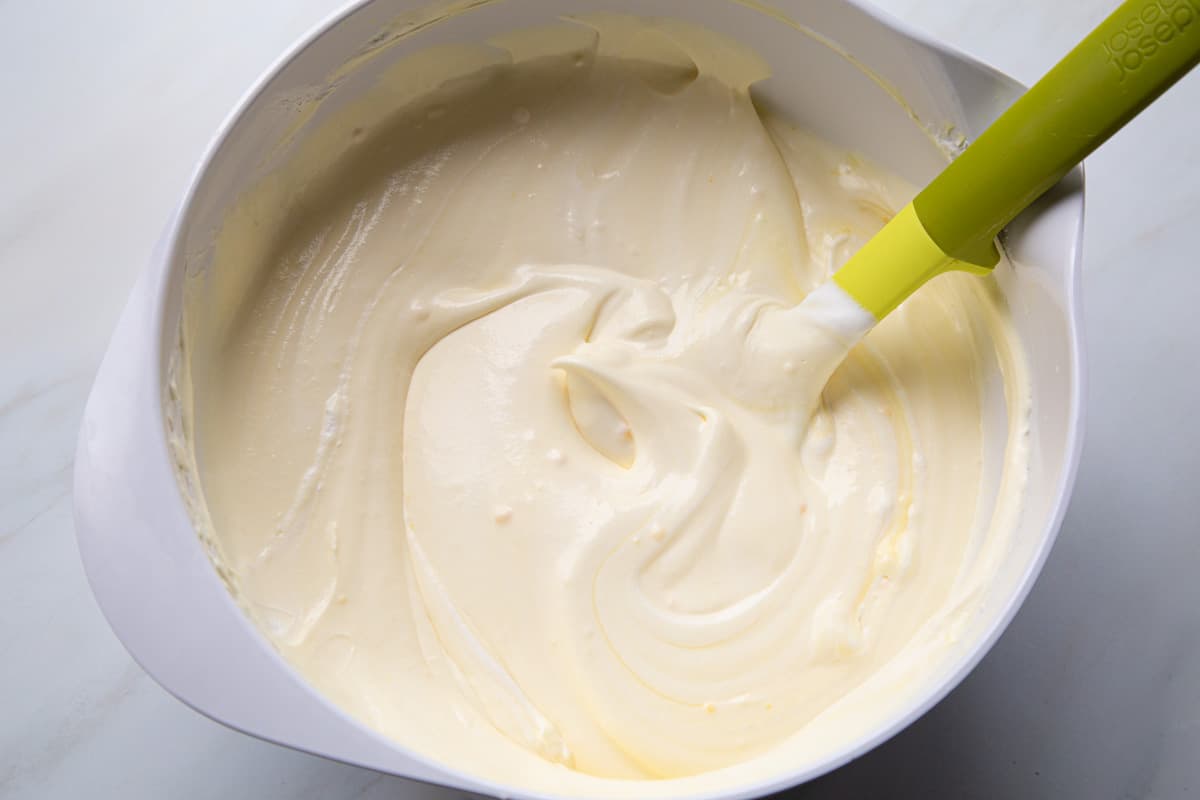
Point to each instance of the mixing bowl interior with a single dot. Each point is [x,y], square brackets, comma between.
[836,70]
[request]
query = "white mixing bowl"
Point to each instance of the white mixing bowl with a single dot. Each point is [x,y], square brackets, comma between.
[858,79]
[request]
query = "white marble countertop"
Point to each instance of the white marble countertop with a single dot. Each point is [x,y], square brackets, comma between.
[1094,692]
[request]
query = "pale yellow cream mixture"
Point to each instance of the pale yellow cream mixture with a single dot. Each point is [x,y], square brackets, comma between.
[511,446]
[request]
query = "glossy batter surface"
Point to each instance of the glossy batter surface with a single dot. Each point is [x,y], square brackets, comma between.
[515,450]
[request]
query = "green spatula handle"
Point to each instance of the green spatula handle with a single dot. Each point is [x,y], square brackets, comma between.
[1134,55]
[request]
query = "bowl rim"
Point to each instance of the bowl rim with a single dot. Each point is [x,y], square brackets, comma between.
[171,260]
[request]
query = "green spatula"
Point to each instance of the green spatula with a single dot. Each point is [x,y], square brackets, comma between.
[1120,68]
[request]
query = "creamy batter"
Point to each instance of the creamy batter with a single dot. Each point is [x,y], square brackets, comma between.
[511,445]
